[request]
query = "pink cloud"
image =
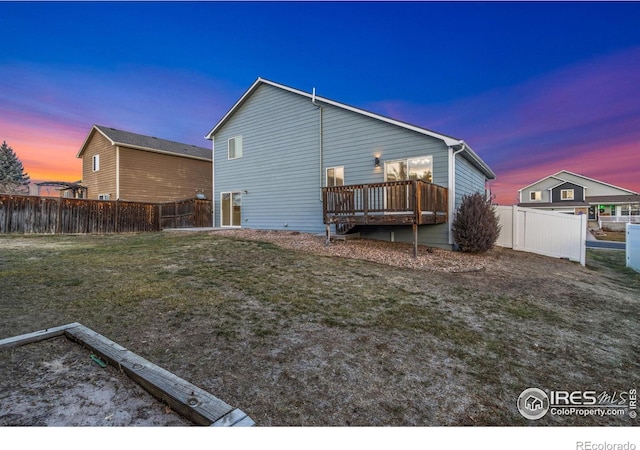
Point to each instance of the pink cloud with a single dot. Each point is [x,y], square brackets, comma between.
[47,149]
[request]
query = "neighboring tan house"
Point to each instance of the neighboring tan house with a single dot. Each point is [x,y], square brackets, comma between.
[119,165]
[285,159]
[571,193]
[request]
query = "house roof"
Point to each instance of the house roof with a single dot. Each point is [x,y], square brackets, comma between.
[558,176]
[448,140]
[147,143]
[604,199]
[562,204]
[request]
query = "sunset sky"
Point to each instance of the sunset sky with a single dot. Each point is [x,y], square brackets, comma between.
[533,88]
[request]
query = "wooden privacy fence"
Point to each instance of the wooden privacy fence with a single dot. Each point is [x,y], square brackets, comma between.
[28,214]
[186,214]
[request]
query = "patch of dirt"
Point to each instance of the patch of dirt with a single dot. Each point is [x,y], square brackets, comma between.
[56,383]
[391,253]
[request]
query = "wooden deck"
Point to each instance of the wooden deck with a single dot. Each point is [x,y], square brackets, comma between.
[411,202]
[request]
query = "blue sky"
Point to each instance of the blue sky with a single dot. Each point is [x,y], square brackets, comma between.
[534,88]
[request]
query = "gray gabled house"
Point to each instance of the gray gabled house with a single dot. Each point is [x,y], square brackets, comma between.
[572,193]
[284,159]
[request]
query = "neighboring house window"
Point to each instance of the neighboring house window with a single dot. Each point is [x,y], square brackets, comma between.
[335,176]
[103,197]
[96,163]
[235,147]
[566,194]
[535,196]
[635,210]
[420,168]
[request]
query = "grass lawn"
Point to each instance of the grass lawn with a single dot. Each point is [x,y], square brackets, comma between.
[297,339]
[617,236]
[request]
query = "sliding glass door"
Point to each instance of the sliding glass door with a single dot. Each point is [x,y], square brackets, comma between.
[230,209]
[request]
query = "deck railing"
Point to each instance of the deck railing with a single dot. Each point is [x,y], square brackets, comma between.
[620,219]
[388,203]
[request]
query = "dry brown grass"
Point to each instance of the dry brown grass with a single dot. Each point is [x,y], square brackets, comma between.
[284,328]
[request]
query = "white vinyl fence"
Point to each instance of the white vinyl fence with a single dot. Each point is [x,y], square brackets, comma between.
[544,232]
[633,247]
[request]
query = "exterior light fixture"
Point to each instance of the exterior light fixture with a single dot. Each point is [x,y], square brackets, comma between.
[376,161]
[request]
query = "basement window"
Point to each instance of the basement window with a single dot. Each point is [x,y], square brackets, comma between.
[235,147]
[566,194]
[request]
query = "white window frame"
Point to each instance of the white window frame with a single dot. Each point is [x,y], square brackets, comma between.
[535,196]
[232,195]
[95,163]
[237,147]
[341,168]
[104,196]
[407,163]
[567,194]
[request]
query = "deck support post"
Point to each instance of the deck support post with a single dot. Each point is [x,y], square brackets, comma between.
[328,233]
[415,240]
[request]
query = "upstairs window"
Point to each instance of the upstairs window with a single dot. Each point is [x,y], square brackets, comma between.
[235,147]
[95,163]
[566,194]
[535,196]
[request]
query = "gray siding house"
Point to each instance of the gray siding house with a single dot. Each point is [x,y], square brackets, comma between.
[277,148]
[571,193]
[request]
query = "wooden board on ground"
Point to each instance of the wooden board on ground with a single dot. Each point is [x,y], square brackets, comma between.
[183,397]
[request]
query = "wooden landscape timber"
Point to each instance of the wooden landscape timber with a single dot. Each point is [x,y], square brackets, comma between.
[192,402]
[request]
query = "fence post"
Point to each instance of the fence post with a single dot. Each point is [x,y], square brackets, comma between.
[514,226]
[116,219]
[59,221]
[583,239]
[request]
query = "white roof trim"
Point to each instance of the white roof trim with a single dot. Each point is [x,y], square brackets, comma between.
[86,140]
[448,140]
[558,175]
[597,181]
[564,182]
[540,181]
[164,152]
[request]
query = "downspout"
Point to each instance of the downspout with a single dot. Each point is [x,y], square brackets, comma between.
[213,180]
[452,186]
[117,172]
[321,145]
